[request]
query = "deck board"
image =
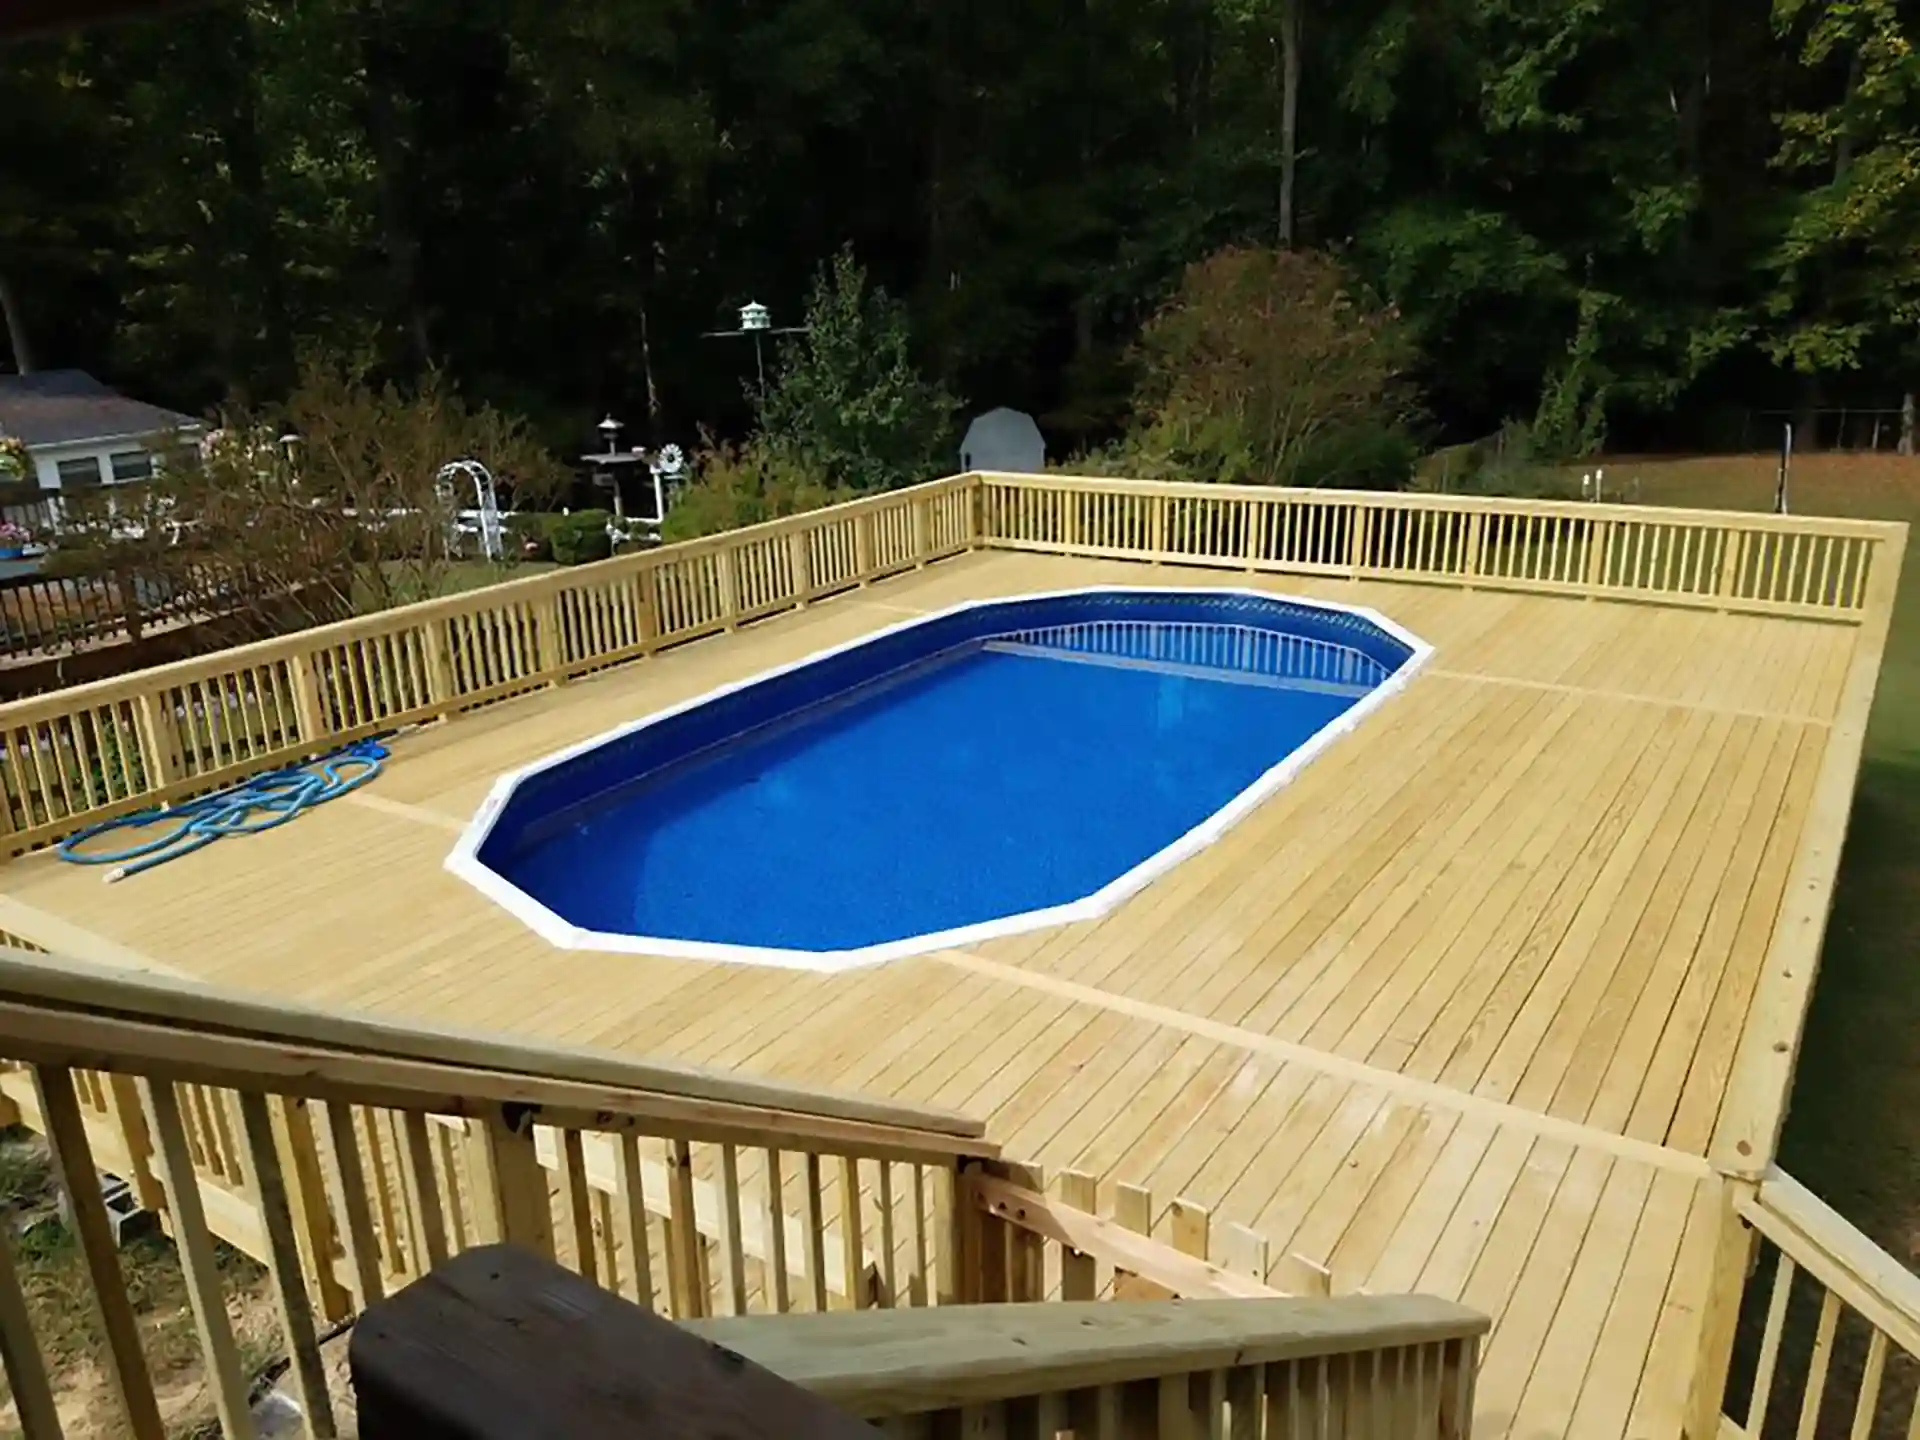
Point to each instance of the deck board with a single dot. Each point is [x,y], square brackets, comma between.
[1455,1011]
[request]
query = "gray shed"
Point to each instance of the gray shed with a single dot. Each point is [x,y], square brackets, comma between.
[1004,439]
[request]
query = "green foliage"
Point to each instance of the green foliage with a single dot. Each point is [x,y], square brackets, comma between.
[579,537]
[553,203]
[1269,367]
[527,537]
[323,505]
[845,400]
[735,485]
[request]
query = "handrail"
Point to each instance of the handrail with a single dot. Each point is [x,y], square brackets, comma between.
[1762,564]
[1467,504]
[1846,1271]
[98,990]
[1249,1351]
[94,751]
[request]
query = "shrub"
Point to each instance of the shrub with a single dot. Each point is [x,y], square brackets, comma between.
[735,485]
[580,537]
[527,537]
[1269,367]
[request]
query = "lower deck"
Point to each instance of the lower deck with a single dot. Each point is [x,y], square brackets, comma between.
[1458,1011]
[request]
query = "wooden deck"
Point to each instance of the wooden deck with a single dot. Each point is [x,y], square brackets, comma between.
[1456,1012]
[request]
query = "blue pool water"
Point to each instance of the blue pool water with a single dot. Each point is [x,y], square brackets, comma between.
[984,785]
[982,765]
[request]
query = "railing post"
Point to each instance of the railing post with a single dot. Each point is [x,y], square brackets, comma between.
[307,1200]
[1359,537]
[1159,535]
[440,681]
[863,547]
[1476,535]
[1720,1317]
[1599,534]
[549,638]
[308,712]
[729,574]
[159,750]
[510,1200]
[800,564]
[922,530]
[646,599]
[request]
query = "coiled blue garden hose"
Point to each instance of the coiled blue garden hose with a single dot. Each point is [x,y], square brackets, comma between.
[258,804]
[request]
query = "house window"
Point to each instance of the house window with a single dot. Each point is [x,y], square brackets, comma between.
[131,465]
[79,474]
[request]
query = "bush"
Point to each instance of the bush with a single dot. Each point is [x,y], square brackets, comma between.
[736,485]
[1269,367]
[527,537]
[580,537]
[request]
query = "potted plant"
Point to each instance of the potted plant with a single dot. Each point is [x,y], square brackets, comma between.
[14,540]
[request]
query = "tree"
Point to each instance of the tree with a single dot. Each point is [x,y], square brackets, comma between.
[324,506]
[1847,265]
[845,402]
[1270,367]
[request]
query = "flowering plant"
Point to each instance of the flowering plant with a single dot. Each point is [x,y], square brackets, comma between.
[14,461]
[14,535]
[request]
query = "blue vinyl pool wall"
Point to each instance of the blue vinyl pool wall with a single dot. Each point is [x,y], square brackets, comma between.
[545,797]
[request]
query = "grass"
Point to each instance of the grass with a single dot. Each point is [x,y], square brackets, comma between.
[59,1292]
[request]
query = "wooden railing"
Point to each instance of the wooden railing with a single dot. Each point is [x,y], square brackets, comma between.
[1840,1315]
[87,753]
[91,752]
[1385,1367]
[351,1155]
[1788,565]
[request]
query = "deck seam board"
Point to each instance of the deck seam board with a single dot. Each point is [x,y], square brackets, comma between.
[1338,1066]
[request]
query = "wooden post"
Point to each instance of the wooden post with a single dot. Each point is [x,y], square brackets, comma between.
[954,1245]
[73,1163]
[1720,1317]
[194,1245]
[123,1110]
[1359,538]
[800,563]
[550,639]
[441,683]
[863,546]
[1027,1254]
[1079,1278]
[159,740]
[274,1202]
[308,712]
[727,562]
[307,1197]
[922,532]
[510,1185]
[1159,537]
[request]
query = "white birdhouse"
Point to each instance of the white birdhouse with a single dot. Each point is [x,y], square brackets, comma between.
[755,316]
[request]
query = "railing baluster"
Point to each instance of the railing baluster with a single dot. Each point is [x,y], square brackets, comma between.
[80,1179]
[197,1263]
[1770,1346]
[733,1252]
[283,1259]
[26,1369]
[575,1202]
[1817,1367]
[633,1214]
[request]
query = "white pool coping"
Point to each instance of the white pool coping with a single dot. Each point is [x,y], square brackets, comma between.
[463,860]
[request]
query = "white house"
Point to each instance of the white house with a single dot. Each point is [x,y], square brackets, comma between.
[81,434]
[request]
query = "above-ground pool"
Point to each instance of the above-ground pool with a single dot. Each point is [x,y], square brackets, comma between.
[995,767]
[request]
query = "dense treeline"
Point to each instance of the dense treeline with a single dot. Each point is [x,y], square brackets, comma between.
[1624,217]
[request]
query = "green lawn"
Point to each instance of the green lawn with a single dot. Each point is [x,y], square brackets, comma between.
[1853,1135]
